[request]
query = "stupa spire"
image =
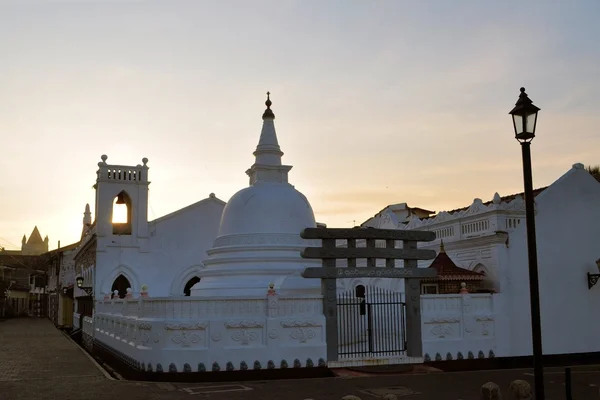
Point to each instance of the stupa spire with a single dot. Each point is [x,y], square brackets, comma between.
[268,112]
[267,165]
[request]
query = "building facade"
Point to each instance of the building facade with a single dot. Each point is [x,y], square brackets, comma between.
[219,285]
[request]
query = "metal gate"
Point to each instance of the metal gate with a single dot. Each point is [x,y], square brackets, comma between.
[371,323]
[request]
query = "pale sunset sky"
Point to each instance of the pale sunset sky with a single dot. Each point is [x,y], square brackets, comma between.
[376,102]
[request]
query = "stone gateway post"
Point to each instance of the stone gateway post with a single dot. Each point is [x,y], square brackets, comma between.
[328,273]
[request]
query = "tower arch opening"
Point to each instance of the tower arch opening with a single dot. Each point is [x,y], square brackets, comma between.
[121,214]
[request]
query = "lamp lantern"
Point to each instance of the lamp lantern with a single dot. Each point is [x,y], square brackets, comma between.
[524,116]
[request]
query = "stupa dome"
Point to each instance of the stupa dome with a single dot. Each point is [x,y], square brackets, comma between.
[267,207]
[259,239]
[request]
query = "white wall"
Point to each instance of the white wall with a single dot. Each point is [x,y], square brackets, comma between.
[176,248]
[568,241]
[456,323]
[193,330]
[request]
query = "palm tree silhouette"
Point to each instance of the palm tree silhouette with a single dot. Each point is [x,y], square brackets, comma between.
[594,171]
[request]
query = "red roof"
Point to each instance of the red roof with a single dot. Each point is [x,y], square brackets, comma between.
[448,271]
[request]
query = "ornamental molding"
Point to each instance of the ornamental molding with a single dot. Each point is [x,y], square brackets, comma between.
[185,339]
[244,337]
[145,338]
[186,326]
[484,318]
[302,335]
[295,323]
[487,239]
[442,331]
[442,320]
[443,217]
[263,239]
[476,208]
[244,324]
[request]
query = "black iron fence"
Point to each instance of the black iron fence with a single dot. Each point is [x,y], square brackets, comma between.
[371,322]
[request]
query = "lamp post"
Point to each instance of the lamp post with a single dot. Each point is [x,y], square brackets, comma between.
[524,116]
[87,289]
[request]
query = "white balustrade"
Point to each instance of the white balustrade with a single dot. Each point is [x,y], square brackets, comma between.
[158,329]
[458,323]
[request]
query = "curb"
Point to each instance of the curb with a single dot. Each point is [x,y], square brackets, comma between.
[105,371]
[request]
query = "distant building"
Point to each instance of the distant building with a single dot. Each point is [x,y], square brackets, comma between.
[23,278]
[34,245]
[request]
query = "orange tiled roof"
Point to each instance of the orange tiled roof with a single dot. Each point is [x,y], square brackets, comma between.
[448,271]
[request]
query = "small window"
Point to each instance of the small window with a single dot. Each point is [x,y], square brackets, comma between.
[429,288]
[359,292]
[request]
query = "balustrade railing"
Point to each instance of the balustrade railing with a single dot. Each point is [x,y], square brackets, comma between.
[442,304]
[189,307]
[122,173]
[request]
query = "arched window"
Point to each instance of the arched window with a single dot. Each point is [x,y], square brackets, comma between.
[187,290]
[121,284]
[121,214]
[359,291]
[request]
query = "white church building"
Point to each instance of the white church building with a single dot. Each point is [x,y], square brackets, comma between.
[217,285]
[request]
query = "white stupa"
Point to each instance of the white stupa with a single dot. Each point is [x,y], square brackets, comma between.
[259,239]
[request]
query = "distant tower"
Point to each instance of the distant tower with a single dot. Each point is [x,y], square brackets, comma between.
[121,191]
[35,245]
[87,220]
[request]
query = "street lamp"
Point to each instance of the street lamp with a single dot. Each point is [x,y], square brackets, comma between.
[524,116]
[593,278]
[87,289]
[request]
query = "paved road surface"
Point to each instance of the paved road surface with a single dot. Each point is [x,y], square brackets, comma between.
[37,362]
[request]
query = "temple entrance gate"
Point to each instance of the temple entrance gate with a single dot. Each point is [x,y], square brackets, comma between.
[400,334]
[371,323]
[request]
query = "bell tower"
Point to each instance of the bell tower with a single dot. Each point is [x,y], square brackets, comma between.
[122,204]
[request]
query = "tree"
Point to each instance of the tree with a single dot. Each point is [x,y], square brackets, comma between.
[594,171]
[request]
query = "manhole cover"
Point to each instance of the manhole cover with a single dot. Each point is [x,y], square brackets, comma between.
[399,391]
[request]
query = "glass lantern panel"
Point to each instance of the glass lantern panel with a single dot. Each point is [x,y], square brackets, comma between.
[518,120]
[530,122]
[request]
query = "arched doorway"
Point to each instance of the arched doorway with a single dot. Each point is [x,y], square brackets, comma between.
[188,286]
[359,291]
[121,284]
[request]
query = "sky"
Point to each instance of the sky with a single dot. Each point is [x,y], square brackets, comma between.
[376,102]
